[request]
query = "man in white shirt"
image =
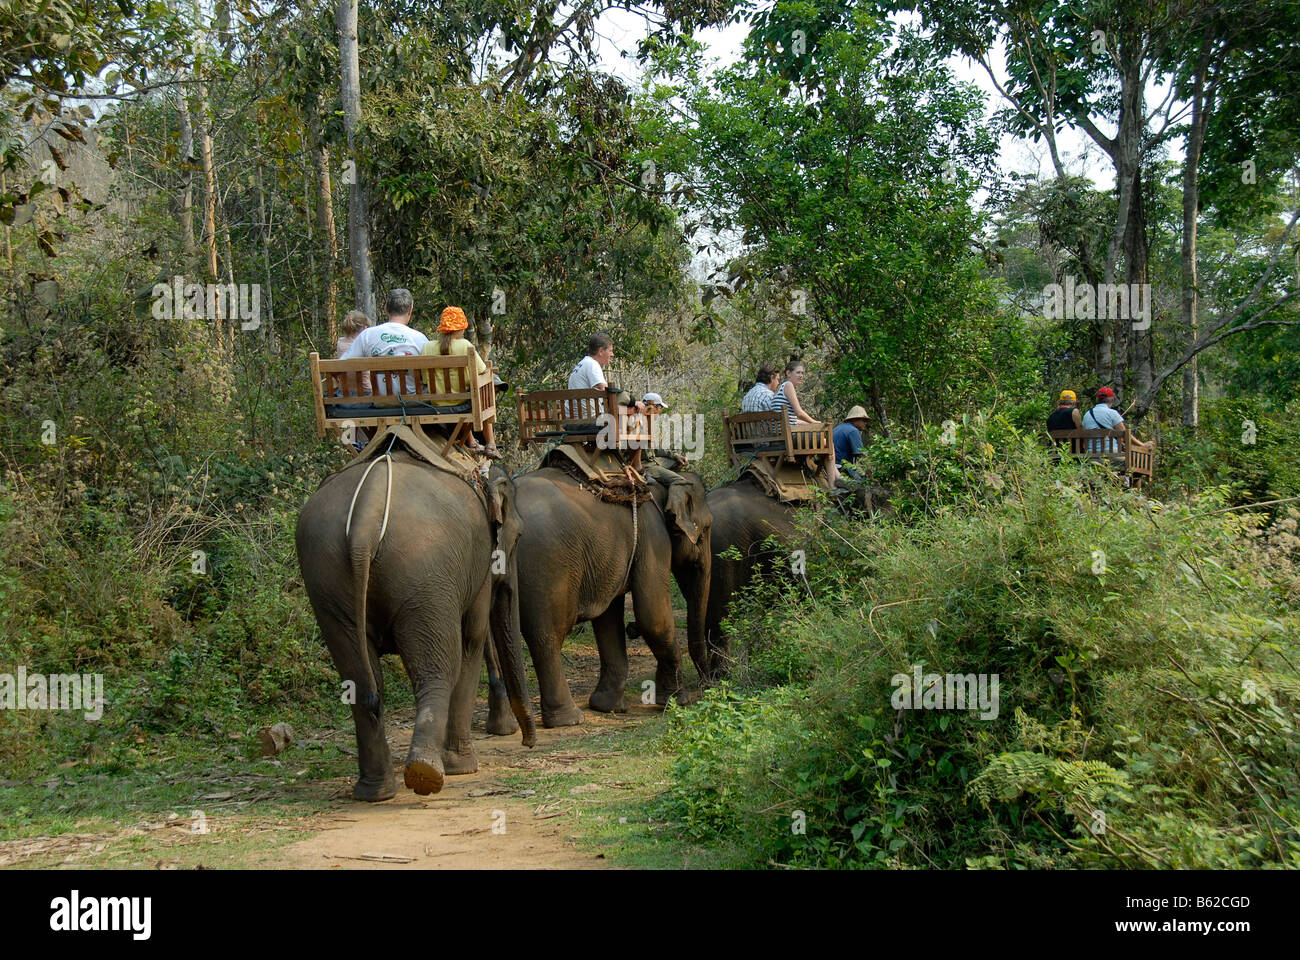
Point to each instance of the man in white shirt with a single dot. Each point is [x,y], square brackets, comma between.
[589,374]
[1104,417]
[395,338]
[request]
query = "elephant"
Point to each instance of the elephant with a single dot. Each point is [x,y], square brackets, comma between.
[745,517]
[416,574]
[577,561]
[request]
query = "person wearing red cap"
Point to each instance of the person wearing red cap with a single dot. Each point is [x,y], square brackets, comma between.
[451,342]
[1104,416]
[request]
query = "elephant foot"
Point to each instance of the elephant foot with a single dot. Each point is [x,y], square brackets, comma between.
[682,695]
[458,762]
[373,791]
[423,777]
[608,701]
[569,716]
[501,723]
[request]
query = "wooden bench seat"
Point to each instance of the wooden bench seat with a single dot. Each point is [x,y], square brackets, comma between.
[769,433]
[378,391]
[578,416]
[1130,456]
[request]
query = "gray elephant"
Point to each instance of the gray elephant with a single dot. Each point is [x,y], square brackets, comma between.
[745,517]
[415,575]
[579,557]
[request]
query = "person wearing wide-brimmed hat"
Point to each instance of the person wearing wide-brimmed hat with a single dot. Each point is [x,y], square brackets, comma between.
[847,437]
[451,342]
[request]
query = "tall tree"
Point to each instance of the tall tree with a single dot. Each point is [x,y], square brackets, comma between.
[358,207]
[845,158]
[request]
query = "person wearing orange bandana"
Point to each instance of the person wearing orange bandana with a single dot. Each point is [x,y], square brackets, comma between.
[451,342]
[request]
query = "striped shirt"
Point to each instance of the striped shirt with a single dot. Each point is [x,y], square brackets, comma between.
[757,400]
[781,403]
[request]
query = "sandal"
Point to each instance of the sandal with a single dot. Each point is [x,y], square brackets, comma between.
[491,452]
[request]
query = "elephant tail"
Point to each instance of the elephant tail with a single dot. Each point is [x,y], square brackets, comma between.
[362,554]
[361,547]
[510,657]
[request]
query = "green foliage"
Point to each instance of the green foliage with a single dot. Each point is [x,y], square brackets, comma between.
[1247,447]
[1148,687]
[852,191]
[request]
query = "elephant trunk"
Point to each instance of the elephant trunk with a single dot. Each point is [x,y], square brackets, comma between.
[694,584]
[508,640]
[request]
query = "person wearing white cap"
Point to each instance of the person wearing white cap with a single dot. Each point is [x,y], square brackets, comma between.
[655,467]
[847,437]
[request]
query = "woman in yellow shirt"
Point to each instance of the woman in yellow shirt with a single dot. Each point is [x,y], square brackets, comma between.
[451,342]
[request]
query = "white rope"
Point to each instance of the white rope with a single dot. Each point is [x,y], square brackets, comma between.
[388,495]
[632,558]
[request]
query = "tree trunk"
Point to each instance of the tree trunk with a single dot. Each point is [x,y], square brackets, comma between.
[1191,210]
[209,185]
[187,173]
[266,301]
[325,225]
[1136,273]
[483,337]
[358,212]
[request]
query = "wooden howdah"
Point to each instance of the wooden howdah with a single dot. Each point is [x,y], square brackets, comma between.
[388,390]
[579,416]
[1130,456]
[770,435]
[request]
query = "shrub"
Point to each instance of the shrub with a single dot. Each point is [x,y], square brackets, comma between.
[1148,687]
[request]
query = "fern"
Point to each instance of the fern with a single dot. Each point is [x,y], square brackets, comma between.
[1009,775]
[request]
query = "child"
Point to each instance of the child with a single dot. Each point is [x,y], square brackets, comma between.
[451,342]
[353,323]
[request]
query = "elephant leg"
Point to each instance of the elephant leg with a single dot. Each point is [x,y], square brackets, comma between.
[558,708]
[608,697]
[377,781]
[718,649]
[653,607]
[434,674]
[501,721]
[458,754]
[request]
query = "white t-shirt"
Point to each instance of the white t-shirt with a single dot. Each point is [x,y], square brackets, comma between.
[587,375]
[1102,417]
[387,340]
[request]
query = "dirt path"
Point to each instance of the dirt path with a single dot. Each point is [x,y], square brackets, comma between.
[476,821]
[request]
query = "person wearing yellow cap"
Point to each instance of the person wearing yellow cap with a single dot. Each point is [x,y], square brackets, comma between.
[451,342]
[1066,415]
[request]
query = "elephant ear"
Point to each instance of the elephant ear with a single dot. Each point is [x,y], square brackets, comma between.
[507,523]
[687,509]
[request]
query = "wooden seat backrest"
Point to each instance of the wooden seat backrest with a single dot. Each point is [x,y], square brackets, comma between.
[395,382]
[1139,455]
[550,411]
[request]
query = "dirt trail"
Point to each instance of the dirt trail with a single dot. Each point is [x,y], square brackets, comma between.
[476,821]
